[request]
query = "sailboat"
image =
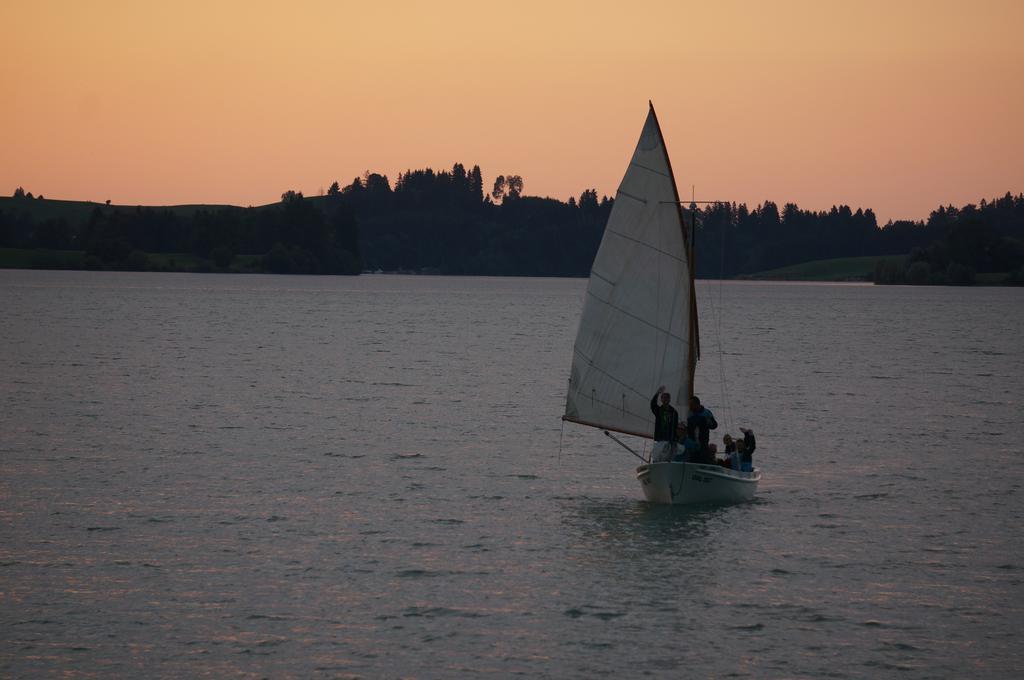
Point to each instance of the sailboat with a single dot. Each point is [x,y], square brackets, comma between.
[638,329]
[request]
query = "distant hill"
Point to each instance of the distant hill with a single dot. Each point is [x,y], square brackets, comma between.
[79,211]
[835,269]
[444,221]
[294,236]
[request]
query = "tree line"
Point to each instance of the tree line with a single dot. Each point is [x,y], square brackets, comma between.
[447,222]
[961,243]
[950,246]
[444,221]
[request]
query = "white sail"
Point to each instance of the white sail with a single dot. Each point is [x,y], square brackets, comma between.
[635,333]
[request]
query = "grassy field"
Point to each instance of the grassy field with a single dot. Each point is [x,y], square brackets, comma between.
[20,258]
[992,278]
[839,269]
[77,212]
[23,258]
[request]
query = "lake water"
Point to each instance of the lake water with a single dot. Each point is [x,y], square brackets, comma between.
[269,476]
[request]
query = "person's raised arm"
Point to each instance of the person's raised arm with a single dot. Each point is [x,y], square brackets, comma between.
[654,400]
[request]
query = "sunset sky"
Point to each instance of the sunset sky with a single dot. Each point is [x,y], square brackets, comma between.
[894,105]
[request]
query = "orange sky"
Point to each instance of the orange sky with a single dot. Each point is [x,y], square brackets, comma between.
[894,105]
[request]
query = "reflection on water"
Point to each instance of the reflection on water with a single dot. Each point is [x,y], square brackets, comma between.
[678,542]
[635,520]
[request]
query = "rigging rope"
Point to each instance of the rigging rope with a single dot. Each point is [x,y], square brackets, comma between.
[721,345]
[717,313]
[560,434]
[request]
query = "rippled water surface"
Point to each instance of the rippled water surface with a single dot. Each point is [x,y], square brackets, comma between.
[207,475]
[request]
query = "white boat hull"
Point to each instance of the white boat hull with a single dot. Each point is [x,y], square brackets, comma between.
[687,483]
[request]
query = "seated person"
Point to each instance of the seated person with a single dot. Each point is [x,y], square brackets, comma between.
[730,448]
[705,457]
[690,451]
[732,459]
[707,454]
[662,452]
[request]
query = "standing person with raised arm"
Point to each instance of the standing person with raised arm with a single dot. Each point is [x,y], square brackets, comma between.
[747,451]
[666,424]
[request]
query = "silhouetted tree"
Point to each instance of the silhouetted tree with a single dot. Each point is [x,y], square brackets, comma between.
[499,188]
[514,186]
[476,184]
[377,186]
[588,200]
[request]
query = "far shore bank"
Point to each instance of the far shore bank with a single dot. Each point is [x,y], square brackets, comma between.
[842,270]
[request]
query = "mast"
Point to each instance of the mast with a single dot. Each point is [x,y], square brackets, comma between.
[694,352]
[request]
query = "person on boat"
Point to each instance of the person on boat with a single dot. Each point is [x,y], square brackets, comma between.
[689,451]
[727,462]
[741,451]
[746,448]
[666,424]
[699,424]
[732,459]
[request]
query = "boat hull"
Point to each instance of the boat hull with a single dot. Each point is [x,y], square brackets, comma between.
[689,483]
